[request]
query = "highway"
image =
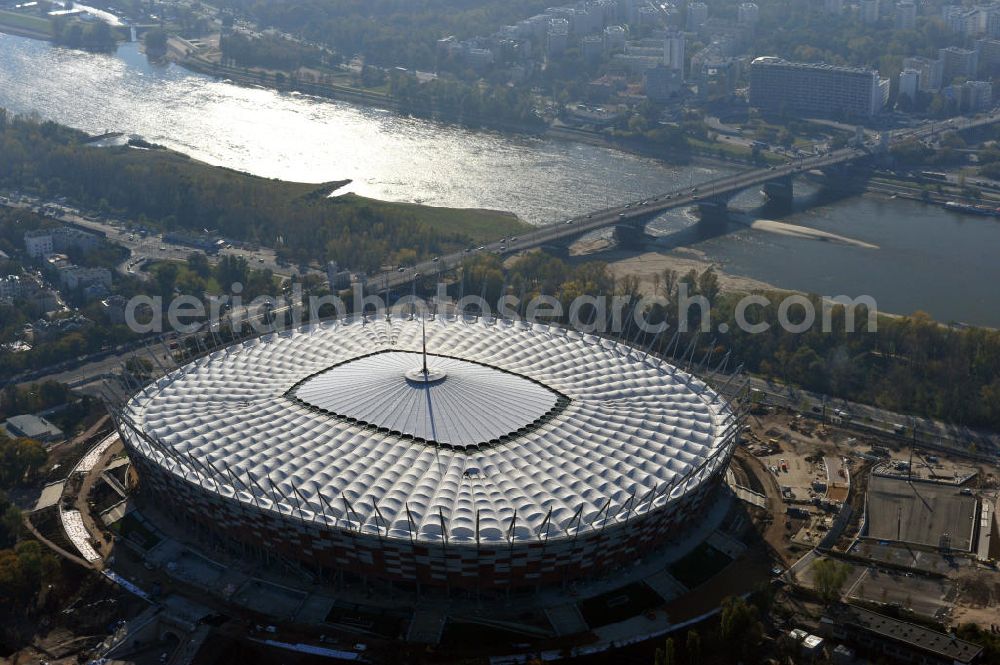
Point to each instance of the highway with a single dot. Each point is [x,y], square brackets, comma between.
[719,188]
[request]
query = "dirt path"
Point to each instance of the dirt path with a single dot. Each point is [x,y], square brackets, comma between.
[775,532]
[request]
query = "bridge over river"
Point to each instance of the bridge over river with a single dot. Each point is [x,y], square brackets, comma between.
[710,198]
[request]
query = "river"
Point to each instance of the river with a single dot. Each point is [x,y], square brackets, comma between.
[906,255]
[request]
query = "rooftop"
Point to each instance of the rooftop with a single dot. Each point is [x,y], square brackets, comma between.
[926,639]
[556,427]
[32,427]
[816,66]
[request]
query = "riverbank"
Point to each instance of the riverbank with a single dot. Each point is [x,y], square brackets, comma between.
[24,25]
[648,265]
[186,55]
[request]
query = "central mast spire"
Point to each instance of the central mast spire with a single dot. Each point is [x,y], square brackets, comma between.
[423,334]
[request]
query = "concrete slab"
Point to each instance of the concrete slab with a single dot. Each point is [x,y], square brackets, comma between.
[50,495]
[920,512]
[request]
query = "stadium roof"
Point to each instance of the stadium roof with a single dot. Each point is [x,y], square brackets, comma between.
[336,421]
[457,402]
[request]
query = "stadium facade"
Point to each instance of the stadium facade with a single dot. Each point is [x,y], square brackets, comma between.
[448,453]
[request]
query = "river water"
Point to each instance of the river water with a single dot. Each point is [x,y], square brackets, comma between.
[923,257]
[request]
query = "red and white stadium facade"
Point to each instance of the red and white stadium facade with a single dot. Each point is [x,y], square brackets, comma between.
[506,455]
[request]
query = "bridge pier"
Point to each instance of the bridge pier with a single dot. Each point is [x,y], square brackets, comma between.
[713,213]
[559,251]
[780,190]
[630,237]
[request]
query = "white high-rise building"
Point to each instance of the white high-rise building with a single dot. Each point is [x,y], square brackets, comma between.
[558,36]
[957,61]
[673,52]
[631,10]
[592,47]
[815,89]
[930,72]
[906,15]
[976,96]
[909,83]
[869,11]
[697,14]
[748,14]
[614,37]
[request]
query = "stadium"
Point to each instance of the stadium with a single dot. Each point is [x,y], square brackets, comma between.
[445,453]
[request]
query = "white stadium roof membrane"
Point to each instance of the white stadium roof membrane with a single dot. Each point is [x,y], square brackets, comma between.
[461,404]
[521,431]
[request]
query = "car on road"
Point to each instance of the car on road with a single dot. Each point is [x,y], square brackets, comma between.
[436,259]
[569,221]
[401,269]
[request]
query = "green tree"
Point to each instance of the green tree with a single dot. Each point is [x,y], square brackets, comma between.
[830,576]
[155,42]
[19,460]
[741,629]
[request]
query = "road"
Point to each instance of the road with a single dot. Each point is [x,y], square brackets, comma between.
[928,432]
[637,210]
[144,248]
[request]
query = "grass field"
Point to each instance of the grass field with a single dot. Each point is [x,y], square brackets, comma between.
[25,22]
[476,223]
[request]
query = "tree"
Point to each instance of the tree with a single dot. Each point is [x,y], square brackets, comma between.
[693,648]
[166,279]
[741,629]
[198,264]
[156,43]
[829,576]
[708,286]
[19,459]
[667,655]
[23,570]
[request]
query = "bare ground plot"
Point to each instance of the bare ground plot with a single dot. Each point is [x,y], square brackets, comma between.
[978,598]
[919,513]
